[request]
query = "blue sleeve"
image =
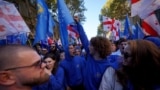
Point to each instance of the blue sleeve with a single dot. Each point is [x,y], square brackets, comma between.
[57,82]
[45,86]
[83,37]
[115,61]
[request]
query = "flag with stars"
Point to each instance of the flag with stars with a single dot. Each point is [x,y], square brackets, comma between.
[135,4]
[151,25]
[147,7]
[11,21]
[107,23]
[45,22]
[115,29]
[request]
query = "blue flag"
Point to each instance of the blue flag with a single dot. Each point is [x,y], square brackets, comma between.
[140,33]
[51,25]
[45,22]
[13,39]
[135,32]
[127,32]
[17,39]
[65,19]
[3,42]
[23,38]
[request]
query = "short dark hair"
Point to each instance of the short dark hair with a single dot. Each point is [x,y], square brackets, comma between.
[121,40]
[8,54]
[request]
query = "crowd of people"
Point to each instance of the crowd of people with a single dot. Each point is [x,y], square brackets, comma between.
[98,64]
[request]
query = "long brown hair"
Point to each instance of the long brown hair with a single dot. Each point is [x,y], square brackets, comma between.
[144,68]
[102,45]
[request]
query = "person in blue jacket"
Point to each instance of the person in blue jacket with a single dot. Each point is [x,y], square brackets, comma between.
[97,50]
[57,80]
[72,66]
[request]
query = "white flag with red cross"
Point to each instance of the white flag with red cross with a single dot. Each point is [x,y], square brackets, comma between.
[151,25]
[143,8]
[11,21]
[107,23]
[115,29]
[147,7]
[135,4]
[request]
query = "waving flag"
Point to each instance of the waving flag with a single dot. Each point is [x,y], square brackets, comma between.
[116,29]
[147,7]
[113,26]
[72,31]
[140,31]
[143,8]
[50,25]
[135,4]
[45,22]
[135,32]
[127,32]
[151,25]
[3,41]
[23,38]
[107,23]
[20,38]
[65,19]
[11,21]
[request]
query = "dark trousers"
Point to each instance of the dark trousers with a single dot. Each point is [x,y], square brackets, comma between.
[79,87]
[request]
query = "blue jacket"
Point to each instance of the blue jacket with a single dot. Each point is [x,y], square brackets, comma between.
[93,69]
[56,82]
[93,72]
[73,70]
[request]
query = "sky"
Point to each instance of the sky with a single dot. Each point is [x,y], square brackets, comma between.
[92,16]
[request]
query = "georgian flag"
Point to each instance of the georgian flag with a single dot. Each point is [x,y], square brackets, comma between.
[107,23]
[147,7]
[151,25]
[11,21]
[143,8]
[115,29]
[135,4]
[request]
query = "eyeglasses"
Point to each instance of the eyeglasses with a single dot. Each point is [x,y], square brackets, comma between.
[126,55]
[36,64]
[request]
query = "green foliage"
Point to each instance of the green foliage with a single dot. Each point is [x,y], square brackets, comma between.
[100,29]
[76,7]
[116,9]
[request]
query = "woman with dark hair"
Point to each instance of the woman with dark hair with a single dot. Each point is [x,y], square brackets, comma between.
[56,81]
[140,69]
[52,62]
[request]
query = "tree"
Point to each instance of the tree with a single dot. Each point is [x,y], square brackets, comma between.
[117,9]
[76,7]
[29,13]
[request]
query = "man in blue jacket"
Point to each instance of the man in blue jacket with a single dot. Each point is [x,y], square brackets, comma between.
[73,69]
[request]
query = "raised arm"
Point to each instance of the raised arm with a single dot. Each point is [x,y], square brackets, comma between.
[83,37]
